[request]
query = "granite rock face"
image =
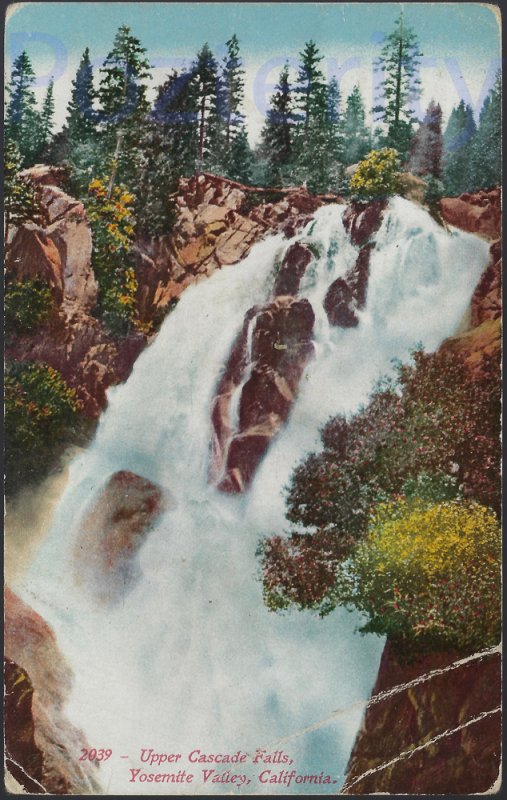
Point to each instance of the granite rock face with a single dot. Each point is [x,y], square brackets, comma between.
[40,741]
[464,762]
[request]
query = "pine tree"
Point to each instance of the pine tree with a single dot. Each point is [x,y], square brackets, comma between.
[458,136]
[21,200]
[276,137]
[210,96]
[357,140]
[427,145]
[460,128]
[81,115]
[22,119]
[46,124]
[399,61]
[311,139]
[124,106]
[234,89]
[78,145]
[241,157]
[486,145]
[169,151]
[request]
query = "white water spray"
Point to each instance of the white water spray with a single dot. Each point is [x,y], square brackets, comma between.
[191,658]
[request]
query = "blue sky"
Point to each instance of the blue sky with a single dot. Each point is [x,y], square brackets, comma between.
[460,42]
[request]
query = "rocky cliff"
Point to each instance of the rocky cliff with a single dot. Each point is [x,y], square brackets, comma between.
[42,746]
[216,223]
[440,734]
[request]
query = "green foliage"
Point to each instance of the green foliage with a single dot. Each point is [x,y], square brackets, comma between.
[434,190]
[112,222]
[21,199]
[432,432]
[22,121]
[399,62]
[458,137]
[357,140]
[317,139]
[41,415]
[427,575]
[27,304]
[123,105]
[276,145]
[486,146]
[376,176]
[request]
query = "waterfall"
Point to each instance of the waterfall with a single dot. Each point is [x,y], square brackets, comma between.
[191,659]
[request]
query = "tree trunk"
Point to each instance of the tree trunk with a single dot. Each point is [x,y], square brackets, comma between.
[398,78]
[114,170]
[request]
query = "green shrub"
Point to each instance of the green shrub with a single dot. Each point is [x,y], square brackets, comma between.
[427,576]
[27,304]
[376,176]
[41,414]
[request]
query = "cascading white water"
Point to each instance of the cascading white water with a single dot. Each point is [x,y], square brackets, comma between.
[191,658]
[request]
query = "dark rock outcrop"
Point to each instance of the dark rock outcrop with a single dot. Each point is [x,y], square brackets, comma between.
[293,267]
[23,758]
[35,723]
[347,295]
[267,379]
[112,533]
[464,762]
[487,298]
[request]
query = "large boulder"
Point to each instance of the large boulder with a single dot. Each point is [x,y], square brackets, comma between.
[292,269]
[267,379]
[346,296]
[112,532]
[60,251]
[38,736]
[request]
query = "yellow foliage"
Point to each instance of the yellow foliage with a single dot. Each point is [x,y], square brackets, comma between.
[377,175]
[430,573]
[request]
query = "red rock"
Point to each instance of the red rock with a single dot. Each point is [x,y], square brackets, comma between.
[217,222]
[280,348]
[112,533]
[340,306]
[294,265]
[23,759]
[362,220]
[479,213]
[467,762]
[347,295]
[30,643]
[487,298]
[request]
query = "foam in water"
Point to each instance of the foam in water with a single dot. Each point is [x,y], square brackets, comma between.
[191,658]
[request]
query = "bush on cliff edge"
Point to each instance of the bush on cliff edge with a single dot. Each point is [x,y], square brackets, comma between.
[41,414]
[427,576]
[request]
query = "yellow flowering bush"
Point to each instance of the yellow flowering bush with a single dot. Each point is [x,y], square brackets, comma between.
[376,176]
[113,224]
[428,575]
